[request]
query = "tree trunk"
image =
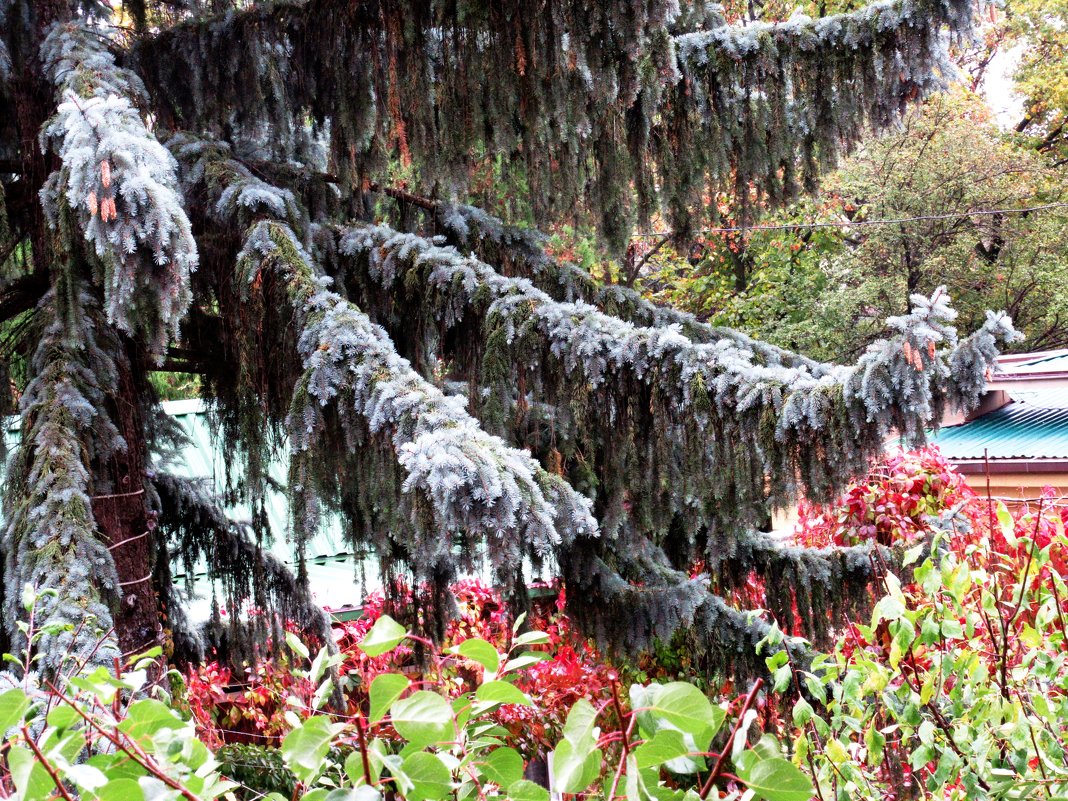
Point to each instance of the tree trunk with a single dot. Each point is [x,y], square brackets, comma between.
[123,516]
[34,100]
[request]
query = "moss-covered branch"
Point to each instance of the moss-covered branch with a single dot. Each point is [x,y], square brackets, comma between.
[51,541]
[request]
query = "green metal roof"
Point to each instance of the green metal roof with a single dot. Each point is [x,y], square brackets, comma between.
[1015,431]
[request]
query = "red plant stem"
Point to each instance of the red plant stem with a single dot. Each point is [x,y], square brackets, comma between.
[1003,657]
[717,769]
[116,702]
[49,769]
[619,714]
[362,735]
[623,760]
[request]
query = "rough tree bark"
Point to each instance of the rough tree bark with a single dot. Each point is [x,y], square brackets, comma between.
[122,514]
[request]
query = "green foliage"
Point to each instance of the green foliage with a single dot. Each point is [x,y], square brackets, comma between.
[111,735]
[1041,28]
[175,386]
[826,291]
[956,688]
[256,770]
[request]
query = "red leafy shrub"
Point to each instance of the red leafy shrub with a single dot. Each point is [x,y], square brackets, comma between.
[892,504]
[253,708]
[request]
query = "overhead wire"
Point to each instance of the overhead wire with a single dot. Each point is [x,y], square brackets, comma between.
[858,223]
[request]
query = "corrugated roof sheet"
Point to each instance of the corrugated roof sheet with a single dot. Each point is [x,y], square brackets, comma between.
[1051,362]
[1016,431]
[1009,359]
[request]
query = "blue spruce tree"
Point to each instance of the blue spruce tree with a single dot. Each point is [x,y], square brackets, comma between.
[208,189]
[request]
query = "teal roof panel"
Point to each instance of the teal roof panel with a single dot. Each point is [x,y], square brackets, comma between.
[1054,361]
[1016,431]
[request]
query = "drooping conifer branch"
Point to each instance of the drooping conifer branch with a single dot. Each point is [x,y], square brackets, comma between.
[806,588]
[121,183]
[51,541]
[665,414]
[587,103]
[521,252]
[631,597]
[473,481]
[416,474]
[250,577]
[769,106]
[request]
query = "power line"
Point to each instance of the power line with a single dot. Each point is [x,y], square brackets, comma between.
[859,223]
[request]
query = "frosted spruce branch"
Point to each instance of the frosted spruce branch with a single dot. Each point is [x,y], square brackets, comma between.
[772,105]
[468,481]
[784,414]
[472,229]
[753,107]
[51,539]
[474,482]
[120,182]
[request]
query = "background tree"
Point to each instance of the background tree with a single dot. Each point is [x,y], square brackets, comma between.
[448,389]
[827,291]
[1041,29]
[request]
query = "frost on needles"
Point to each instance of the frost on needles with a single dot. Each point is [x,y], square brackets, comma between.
[457,491]
[121,183]
[594,104]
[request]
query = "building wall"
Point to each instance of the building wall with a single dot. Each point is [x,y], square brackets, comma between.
[1018,486]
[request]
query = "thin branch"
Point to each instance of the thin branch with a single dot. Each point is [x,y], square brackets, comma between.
[633,274]
[44,763]
[132,750]
[717,769]
[960,215]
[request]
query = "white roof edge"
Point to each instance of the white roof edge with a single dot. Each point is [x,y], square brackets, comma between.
[186,406]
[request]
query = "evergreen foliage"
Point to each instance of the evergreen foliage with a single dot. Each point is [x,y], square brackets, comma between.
[199,533]
[587,100]
[51,540]
[615,440]
[121,183]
